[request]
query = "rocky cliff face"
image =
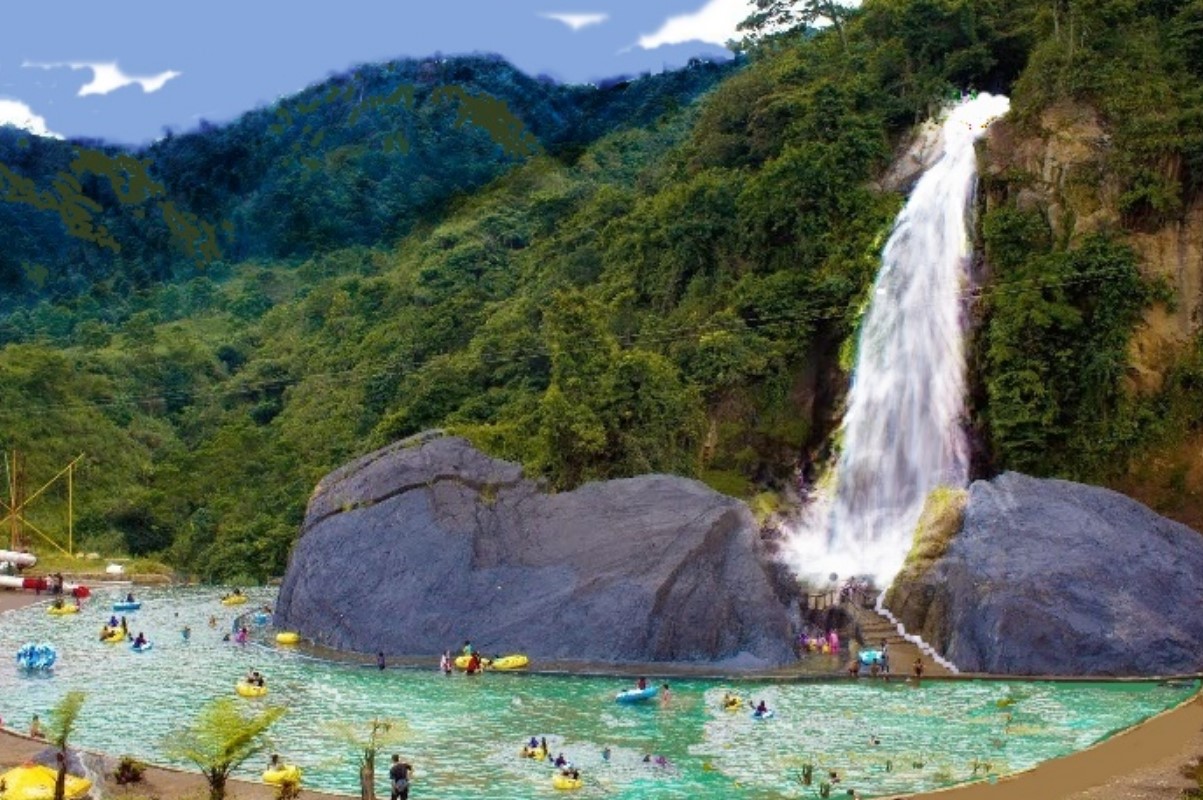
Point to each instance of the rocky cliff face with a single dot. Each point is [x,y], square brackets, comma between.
[426,543]
[1061,171]
[1057,578]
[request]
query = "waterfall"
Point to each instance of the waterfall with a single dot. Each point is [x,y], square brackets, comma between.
[902,433]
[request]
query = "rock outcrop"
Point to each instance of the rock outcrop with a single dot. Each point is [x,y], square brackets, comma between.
[1048,577]
[426,543]
[1061,169]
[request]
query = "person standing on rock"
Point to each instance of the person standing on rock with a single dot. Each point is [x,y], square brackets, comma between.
[445,662]
[918,670]
[380,660]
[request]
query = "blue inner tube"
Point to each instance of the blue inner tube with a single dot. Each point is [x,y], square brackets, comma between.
[869,657]
[636,695]
[141,649]
[124,606]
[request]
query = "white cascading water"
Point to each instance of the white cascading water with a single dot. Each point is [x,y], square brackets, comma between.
[902,432]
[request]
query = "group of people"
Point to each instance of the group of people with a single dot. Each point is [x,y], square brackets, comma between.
[475,664]
[814,641]
[113,626]
[254,678]
[537,749]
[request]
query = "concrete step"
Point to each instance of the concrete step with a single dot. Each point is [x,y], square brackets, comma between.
[903,653]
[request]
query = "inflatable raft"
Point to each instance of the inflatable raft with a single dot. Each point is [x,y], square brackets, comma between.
[247,690]
[126,605]
[34,657]
[289,773]
[515,661]
[636,695]
[561,781]
[287,637]
[62,611]
[233,600]
[36,782]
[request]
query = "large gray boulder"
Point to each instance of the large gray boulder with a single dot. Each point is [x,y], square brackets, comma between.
[423,544]
[1048,577]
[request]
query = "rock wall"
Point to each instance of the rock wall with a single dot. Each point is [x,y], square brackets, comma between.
[426,543]
[1048,577]
[1060,169]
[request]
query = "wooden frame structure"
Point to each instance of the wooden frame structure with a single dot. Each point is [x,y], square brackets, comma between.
[14,507]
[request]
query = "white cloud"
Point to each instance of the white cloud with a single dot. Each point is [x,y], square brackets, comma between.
[576,21]
[14,112]
[714,22]
[108,77]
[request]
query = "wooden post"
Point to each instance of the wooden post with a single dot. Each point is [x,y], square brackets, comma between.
[71,508]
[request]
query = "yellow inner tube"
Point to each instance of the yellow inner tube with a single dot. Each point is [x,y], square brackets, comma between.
[58,612]
[538,754]
[287,637]
[233,600]
[246,690]
[734,704]
[562,781]
[113,638]
[288,772]
[37,783]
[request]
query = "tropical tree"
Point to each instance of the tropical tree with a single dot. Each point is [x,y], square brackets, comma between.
[771,16]
[62,724]
[379,733]
[223,735]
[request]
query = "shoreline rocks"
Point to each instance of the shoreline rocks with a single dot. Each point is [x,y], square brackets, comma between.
[428,542]
[1049,577]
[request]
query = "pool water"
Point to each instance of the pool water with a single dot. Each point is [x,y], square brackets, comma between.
[465,732]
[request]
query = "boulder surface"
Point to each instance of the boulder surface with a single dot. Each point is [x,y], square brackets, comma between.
[427,543]
[1048,577]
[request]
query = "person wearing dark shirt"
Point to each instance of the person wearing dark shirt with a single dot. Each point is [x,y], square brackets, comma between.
[398,775]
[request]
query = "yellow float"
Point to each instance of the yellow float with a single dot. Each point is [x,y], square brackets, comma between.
[62,610]
[461,662]
[287,773]
[36,782]
[113,637]
[233,600]
[562,781]
[247,690]
[538,753]
[287,637]
[516,661]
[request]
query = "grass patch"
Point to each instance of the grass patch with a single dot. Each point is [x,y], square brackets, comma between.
[54,561]
[728,481]
[943,513]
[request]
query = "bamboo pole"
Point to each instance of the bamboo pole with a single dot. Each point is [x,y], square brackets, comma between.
[71,507]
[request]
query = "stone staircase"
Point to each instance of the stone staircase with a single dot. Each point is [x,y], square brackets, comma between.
[874,627]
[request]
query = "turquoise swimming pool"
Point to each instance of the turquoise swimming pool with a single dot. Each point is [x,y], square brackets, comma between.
[465,732]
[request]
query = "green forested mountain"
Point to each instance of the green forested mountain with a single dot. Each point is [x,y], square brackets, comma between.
[649,281]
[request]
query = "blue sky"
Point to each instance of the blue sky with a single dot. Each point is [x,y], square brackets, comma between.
[123,71]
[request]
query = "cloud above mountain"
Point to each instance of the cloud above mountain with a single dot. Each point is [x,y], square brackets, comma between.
[576,21]
[714,23]
[17,114]
[107,77]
